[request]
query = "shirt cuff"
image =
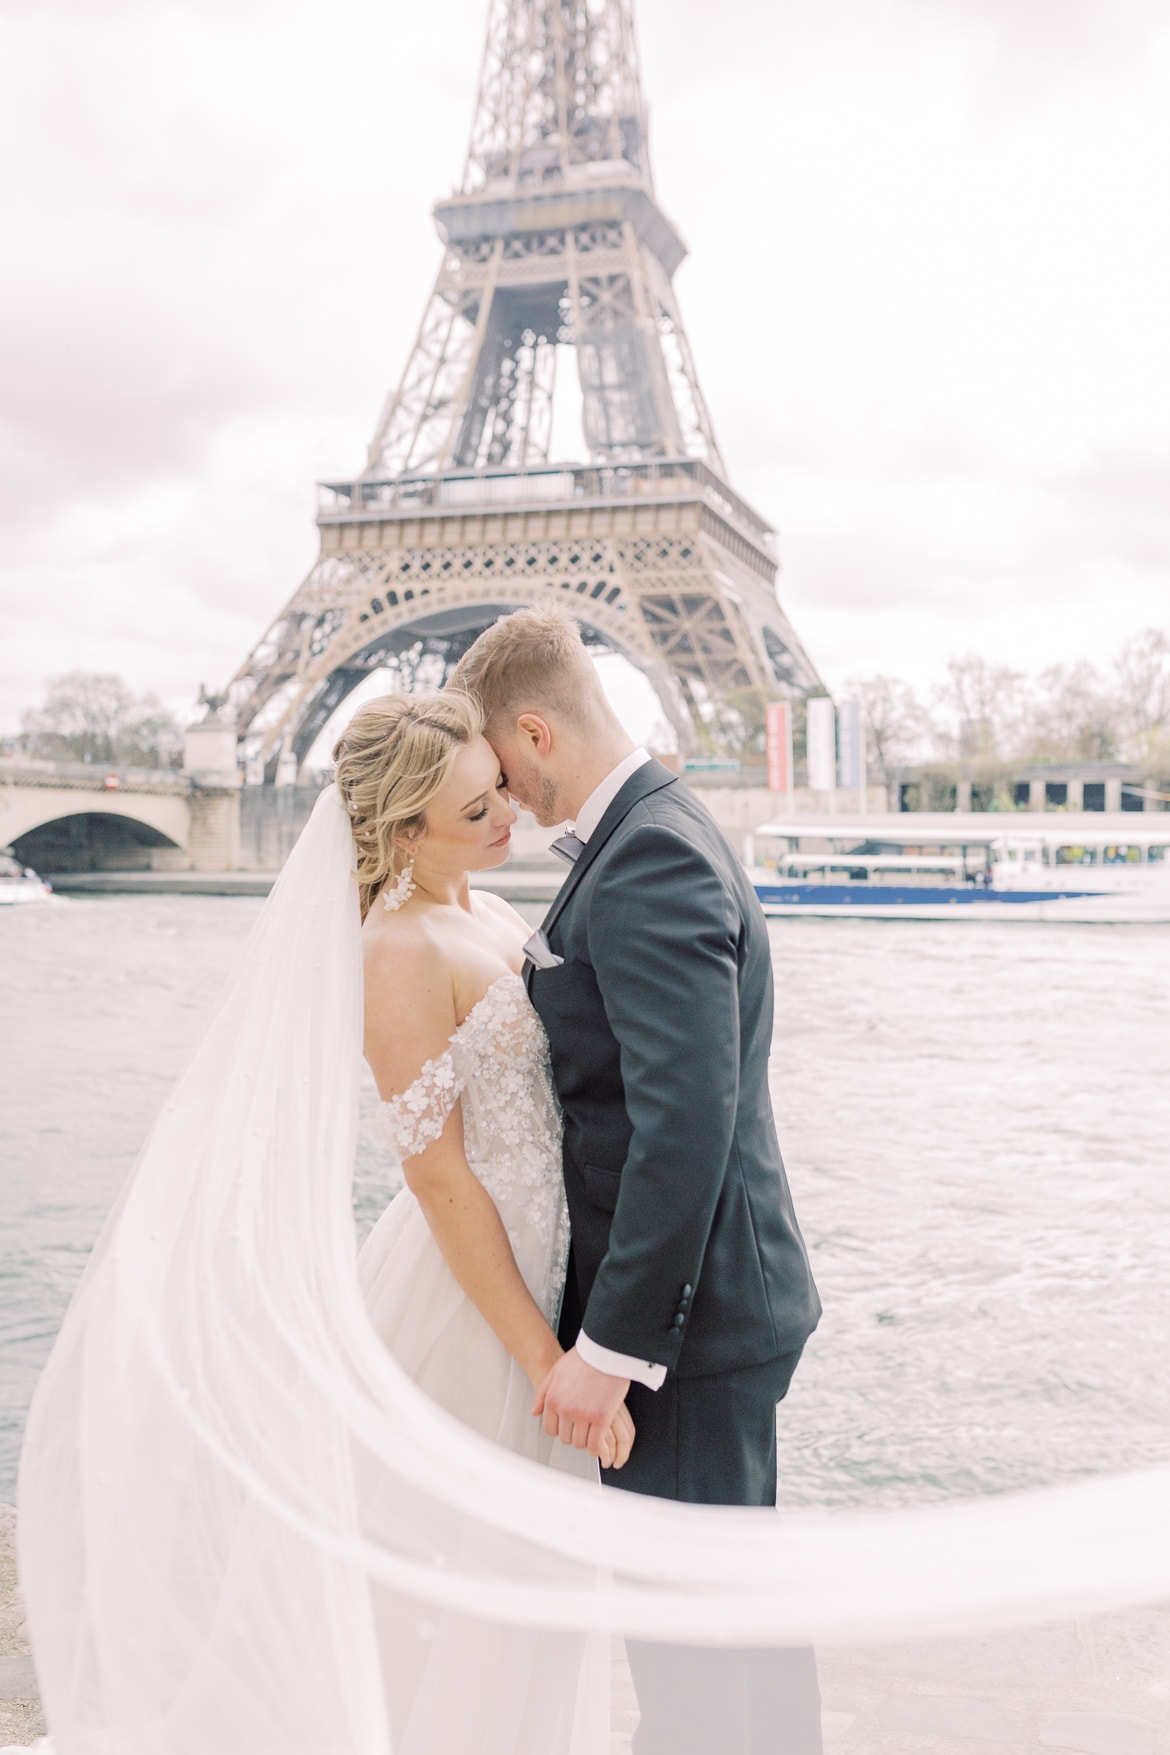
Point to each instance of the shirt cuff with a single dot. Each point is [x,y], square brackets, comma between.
[620,1364]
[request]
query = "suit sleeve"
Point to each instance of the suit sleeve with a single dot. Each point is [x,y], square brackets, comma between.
[663,942]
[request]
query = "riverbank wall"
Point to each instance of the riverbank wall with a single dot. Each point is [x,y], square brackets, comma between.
[271,818]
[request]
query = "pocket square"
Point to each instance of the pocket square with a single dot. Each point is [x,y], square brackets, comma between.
[539,951]
[568,847]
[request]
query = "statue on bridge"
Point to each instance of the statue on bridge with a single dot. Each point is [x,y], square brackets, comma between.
[214,703]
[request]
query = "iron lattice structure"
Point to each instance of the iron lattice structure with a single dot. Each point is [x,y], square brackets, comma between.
[556,253]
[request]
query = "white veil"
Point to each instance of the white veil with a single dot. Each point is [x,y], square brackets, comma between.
[196,1571]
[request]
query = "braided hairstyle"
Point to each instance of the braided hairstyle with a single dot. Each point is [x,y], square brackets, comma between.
[391,759]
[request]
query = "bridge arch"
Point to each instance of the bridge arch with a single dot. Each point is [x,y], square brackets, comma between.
[86,829]
[91,841]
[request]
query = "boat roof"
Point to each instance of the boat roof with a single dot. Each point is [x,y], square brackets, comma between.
[981,829]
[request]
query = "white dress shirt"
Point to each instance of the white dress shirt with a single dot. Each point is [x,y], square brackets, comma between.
[591,812]
[602,796]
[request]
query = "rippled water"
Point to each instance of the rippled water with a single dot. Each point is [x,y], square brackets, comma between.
[976,1120]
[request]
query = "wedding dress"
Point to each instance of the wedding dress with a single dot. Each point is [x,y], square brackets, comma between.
[496,1067]
[462,1684]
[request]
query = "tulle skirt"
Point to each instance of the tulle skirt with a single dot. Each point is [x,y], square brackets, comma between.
[457,1685]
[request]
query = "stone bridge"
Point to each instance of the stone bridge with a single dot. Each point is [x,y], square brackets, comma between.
[72,817]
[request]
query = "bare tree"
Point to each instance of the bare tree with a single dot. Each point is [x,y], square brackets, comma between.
[94,717]
[1074,717]
[732,727]
[897,726]
[984,708]
[1143,682]
[152,737]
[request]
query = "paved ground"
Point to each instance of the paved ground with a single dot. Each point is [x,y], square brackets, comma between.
[20,1710]
[1090,1688]
[1099,1688]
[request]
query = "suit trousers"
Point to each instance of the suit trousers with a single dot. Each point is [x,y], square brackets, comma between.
[712,1441]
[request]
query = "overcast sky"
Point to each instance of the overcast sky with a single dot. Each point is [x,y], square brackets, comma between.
[928,292]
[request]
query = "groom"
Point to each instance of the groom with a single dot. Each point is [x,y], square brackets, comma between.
[689,1293]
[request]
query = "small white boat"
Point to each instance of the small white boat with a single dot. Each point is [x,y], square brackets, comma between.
[958,867]
[19,883]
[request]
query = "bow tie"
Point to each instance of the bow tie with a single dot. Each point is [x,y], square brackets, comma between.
[568,847]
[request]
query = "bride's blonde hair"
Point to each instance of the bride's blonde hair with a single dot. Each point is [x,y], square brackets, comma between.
[391,760]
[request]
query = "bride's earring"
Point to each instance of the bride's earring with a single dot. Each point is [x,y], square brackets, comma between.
[401,890]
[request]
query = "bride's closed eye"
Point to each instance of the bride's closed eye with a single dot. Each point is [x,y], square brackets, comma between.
[479,815]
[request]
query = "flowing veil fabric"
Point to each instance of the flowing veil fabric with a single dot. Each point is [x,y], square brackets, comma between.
[178,1436]
[227,1486]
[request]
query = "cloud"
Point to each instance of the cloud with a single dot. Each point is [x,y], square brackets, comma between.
[1046,39]
[930,267]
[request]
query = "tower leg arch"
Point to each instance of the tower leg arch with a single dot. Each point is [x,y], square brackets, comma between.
[355,616]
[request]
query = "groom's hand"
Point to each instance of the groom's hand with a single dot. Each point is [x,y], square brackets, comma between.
[579,1403]
[619,1440]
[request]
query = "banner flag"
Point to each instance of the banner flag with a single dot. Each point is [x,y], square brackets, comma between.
[850,760]
[822,744]
[778,737]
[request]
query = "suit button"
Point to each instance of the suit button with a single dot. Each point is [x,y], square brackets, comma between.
[678,1321]
[687,1290]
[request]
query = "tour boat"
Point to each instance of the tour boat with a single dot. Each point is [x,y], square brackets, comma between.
[919,866]
[20,883]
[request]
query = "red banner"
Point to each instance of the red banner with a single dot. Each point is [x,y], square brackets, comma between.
[778,732]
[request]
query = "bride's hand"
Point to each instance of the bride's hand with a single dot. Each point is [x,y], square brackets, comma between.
[618,1440]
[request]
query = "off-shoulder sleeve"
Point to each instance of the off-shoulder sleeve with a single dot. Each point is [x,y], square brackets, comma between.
[415,1119]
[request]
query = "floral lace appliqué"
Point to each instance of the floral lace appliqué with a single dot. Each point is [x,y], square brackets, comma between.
[414,1120]
[497,1066]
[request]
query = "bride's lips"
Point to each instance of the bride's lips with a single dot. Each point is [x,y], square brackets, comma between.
[502,840]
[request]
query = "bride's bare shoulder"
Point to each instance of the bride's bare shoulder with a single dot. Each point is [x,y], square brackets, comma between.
[405,960]
[406,945]
[409,999]
[496,908]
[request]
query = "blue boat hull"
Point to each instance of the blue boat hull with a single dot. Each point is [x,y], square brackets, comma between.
[896,901]
[802,894]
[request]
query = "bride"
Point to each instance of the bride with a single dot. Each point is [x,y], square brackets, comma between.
[240,1527]
[463,1273]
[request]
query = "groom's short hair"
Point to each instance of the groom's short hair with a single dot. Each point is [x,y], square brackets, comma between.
[534,658]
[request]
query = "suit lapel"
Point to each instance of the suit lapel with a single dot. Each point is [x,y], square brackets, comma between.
[652,776]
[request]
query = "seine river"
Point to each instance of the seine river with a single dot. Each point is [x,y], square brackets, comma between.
[976,1120]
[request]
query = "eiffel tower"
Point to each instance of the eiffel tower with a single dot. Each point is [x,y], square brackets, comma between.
[556,255]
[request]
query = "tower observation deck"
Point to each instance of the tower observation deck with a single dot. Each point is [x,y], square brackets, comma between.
[553,314]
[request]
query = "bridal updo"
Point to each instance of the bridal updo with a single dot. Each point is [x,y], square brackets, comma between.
[391,760]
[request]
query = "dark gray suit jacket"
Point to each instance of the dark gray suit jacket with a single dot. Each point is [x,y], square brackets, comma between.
[685,1247]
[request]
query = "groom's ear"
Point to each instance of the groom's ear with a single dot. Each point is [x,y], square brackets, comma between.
[535,733]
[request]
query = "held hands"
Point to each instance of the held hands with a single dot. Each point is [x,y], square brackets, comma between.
[586,1408]
[618,1441]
